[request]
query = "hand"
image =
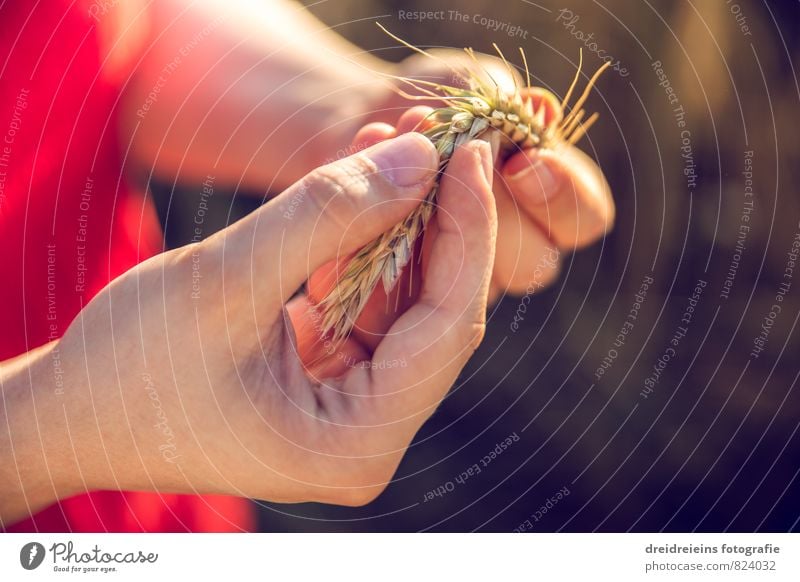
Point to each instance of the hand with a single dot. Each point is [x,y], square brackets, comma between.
[549,201]
[183,375]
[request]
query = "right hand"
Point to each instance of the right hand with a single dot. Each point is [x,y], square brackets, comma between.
[208,395]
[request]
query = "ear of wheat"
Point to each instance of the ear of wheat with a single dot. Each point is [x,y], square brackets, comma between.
[467,113]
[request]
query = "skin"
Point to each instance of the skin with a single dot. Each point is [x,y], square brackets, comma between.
[270,65]
[243,415]
[235,393]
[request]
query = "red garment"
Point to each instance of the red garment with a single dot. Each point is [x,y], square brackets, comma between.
[69,224]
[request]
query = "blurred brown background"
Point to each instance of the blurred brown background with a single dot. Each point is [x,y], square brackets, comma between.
[714,446]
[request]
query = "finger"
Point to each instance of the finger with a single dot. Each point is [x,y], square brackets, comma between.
[526,259]
[320,357]
[540,97]
[371,134]
[333,211]
[564,191]
[414,119]
[437,335]
[381,309]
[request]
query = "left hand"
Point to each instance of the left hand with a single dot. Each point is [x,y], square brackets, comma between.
[549,201]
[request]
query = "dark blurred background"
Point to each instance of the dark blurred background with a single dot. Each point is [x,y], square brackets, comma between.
[713,446]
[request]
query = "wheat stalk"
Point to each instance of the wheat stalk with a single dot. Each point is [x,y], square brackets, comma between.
[468,113]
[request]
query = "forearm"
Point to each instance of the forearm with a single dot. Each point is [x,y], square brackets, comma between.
[35,464]
[244,90]
[81,413]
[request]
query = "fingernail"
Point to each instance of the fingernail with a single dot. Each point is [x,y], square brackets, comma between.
[535,180]
[405,160]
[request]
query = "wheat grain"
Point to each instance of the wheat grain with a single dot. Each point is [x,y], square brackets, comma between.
[468,113]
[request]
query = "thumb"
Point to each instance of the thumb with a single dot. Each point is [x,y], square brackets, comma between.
[336,209]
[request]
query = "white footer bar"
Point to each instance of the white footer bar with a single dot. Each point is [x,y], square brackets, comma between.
[400,557]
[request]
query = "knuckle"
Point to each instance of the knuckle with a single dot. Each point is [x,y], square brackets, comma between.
[341,191]
[349,177]
[464,335]
[475,335]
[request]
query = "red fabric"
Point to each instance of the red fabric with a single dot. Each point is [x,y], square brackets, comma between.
[69,223]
